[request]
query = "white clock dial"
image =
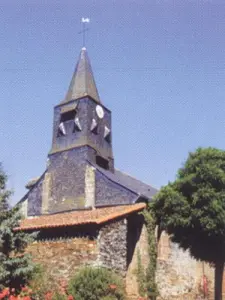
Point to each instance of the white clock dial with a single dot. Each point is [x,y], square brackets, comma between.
[99,111]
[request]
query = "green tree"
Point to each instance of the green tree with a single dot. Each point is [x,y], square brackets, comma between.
[15,266]
[192,209]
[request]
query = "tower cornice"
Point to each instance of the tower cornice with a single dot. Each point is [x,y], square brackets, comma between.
[81,99]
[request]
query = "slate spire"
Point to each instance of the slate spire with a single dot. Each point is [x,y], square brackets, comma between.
[82,83]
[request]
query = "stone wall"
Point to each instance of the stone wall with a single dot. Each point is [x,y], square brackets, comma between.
[112,242]
[179,276]
[90,186]
[61,253]
[137,242]
[115,246]
[61,258]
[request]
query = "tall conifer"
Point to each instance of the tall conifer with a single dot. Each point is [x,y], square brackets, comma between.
[15,265]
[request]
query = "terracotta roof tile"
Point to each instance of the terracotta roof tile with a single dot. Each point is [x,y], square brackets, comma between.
[95,216]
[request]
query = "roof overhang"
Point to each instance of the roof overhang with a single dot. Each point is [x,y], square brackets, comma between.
[80,217]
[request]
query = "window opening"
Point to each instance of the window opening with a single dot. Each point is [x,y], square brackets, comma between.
[77,125]
[94,126]
[67,116]
[102,162]
[61,130]
[107,134]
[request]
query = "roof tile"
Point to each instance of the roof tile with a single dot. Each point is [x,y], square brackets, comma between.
[94,216]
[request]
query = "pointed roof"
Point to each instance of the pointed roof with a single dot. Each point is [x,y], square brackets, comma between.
[82,83]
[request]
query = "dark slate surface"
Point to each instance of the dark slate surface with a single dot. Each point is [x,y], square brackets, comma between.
[35,199]
[71,139]
[109,193]
[86,111]
[134,185]
[97,141]
[83,82]
[67,171]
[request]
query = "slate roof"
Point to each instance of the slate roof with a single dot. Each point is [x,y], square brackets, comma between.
[129,182]
[82,83]
[136,185]
[94,216]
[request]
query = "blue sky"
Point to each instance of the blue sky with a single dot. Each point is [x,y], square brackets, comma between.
[159,66]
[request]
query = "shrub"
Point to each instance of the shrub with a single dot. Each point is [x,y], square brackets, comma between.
[45,287]
[41,283]
[95,284]
[12,294]
[109,298]
[58,296]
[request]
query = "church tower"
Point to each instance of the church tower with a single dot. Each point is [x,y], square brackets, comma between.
[80,173]
[81,121]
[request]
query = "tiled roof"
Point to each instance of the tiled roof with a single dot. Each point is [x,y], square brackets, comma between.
[95,216]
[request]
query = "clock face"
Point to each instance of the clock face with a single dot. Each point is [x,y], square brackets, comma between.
[99,111]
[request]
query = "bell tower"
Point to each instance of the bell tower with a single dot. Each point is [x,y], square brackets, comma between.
[80,171]
[81,120]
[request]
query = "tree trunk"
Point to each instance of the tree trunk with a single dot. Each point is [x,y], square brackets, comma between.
[218,280]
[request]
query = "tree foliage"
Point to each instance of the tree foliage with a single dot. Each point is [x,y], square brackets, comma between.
[192,208]
[95,284]
[15,266]
[151,286]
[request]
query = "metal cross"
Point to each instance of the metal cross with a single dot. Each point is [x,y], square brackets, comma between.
[84,30]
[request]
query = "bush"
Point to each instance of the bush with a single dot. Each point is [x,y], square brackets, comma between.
[95,284]
[44,286]
[58,296]
[41,283]
[109,298]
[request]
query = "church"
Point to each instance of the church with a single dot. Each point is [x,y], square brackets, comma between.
[87,211]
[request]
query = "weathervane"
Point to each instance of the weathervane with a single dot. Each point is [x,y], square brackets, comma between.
[84,30]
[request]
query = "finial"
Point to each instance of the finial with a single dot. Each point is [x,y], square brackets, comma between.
[84,30]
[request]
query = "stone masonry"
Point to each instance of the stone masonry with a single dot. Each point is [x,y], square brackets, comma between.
[61,258]
[131,276]
[113,246]
[178,275]
[110,246]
